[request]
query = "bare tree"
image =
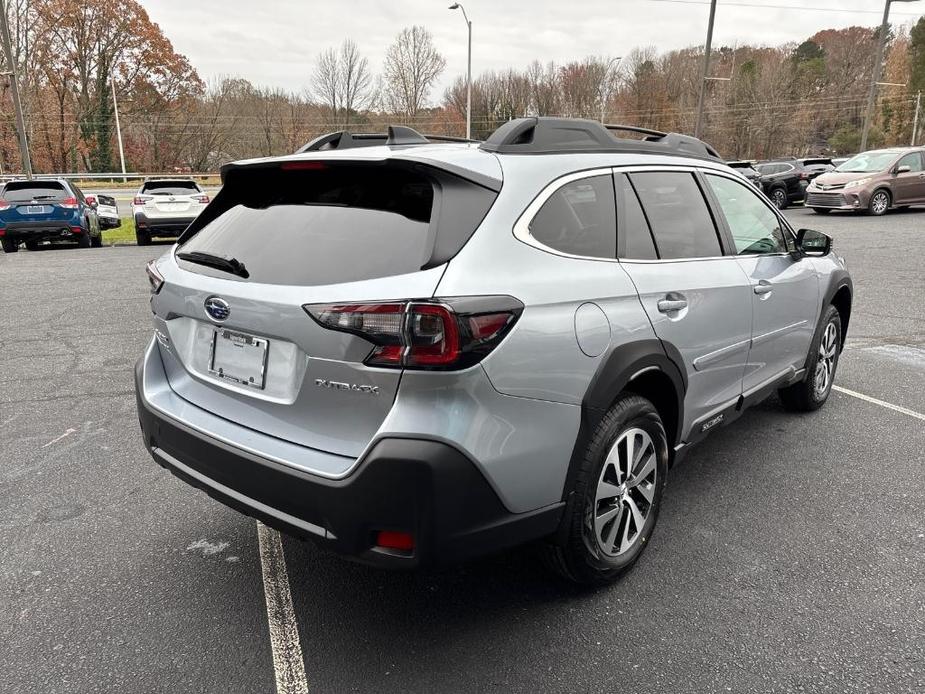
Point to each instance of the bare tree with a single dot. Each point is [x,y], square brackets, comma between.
[355,79]
[412,65]
[325,84]
[342,82]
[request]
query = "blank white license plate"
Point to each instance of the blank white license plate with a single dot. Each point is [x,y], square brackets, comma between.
[239,357]
[36,209]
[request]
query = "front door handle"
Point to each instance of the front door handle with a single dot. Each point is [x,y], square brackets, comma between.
[668,305]
[763,287]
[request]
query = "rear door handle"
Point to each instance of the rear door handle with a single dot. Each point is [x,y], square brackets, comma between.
[763,287]
[668,305]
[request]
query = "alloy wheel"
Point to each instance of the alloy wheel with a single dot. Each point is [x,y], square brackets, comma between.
[879,203]
[825,368]
[625,493]
[780,199]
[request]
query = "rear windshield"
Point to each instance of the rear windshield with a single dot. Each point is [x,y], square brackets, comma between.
[24,191]
[341,223]
[169,187]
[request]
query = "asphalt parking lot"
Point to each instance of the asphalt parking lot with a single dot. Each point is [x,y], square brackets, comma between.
[789,556]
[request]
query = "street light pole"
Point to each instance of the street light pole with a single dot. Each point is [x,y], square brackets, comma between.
[698,127]
[115,108]
[455,6]
[915,120]
[878,66]
[14,91]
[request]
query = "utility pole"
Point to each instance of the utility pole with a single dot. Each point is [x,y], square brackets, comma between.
[14,91]
[115,108]
[915,120]
[706,68]
[459,6]
[878,66]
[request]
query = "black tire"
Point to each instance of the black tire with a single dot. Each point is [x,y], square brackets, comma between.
[97,241]
[879,202]
[142,238]
[804,396]
[9,245]
[579,556]
[821,210]
[779,198]
[32,245]
[83,241]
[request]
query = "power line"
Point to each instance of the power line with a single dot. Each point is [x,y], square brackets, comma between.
[798,8]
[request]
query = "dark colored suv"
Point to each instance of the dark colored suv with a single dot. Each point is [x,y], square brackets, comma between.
[784,181]
[33,211]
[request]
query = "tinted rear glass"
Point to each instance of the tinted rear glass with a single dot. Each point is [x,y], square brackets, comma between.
[340,224]
[170,188]
[579,218]
[24,191]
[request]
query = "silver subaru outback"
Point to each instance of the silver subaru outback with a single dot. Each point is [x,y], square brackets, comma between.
[414,350]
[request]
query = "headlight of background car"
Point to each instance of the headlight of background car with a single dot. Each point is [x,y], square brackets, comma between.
[859,182]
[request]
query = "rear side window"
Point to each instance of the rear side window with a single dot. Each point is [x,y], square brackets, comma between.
[678,215]
[24,191]
[579,219]
[634,239]
[337,223]
[170,187]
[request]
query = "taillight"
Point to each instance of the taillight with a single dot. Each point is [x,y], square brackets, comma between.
[68,203]
[803,175]
[441,334]
[4,204]
[154,277]
[204,199]
[140,199]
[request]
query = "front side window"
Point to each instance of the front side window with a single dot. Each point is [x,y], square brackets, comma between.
[579,219]
[678,214]
[913,161]
[755,228]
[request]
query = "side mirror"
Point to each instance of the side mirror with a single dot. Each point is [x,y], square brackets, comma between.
[813,243]
[91,200]
[903,169]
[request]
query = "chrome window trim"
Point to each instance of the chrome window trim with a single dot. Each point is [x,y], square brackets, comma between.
[522,225]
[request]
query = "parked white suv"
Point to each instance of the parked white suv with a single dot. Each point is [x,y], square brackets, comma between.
[165,207]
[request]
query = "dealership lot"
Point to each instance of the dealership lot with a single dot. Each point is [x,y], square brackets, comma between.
[788,557]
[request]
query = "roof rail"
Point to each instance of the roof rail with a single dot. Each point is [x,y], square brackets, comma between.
[539,135]
[397,135]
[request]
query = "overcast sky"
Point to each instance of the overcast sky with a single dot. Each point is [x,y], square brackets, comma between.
[275,42]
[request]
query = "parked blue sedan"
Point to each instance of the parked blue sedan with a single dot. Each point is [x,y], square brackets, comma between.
[47,210]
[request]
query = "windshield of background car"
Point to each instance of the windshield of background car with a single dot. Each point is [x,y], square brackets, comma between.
[868,162]
[170,188]
[24,191]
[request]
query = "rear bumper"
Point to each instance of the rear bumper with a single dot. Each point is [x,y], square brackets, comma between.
[39,231]
[163,226]
[424,487]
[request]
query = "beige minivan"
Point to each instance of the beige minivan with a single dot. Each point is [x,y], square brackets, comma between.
[873,181]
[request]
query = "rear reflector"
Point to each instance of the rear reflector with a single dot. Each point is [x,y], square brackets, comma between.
[76,230]
[391,539]
[441,334]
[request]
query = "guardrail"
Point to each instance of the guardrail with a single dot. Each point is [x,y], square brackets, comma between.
[110,176]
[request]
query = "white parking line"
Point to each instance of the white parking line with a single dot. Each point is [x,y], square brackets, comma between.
[284,631]
[888,405]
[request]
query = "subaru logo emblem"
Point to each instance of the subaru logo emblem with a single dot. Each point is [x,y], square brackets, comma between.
[217,308]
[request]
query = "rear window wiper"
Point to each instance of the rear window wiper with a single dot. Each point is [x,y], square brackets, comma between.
[232,265]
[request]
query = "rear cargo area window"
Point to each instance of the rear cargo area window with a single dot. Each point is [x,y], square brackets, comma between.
[169,187]
[24,191]
[339,223]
